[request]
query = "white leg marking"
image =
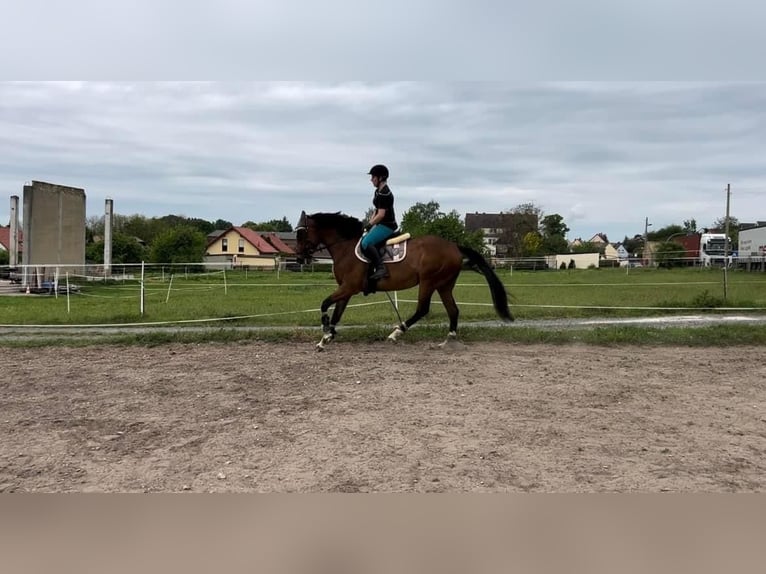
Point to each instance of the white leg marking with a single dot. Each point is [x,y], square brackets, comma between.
[395,334]
[451,336]
[326,338]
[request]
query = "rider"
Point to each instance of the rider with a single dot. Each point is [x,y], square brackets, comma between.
[383,222]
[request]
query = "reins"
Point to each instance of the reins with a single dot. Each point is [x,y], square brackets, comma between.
[321,245]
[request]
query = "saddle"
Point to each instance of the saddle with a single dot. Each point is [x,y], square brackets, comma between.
[393,250]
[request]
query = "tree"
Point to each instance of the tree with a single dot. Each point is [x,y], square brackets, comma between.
[532,244]
[5,257]
[669,254]
[516,223]
[94,227]
[554,232]
[720,224]
[634,245]
[555,244]
[182,244]
[138,226]
[173,220]
[664,232]
[529,208]
[281,225]
[551,225]
[586,247]
[201,225]
[125,249]
[418,218]
[222,224]
[427,219]
[690,226]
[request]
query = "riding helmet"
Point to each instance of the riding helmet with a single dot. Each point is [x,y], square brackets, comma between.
[379,170]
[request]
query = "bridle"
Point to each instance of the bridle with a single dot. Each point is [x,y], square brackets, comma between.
[314,247]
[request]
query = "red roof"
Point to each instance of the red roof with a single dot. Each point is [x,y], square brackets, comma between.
[5,237]
[274,239]
[256,240]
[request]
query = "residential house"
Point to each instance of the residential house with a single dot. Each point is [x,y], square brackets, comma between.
[503,232]
[240,246]
[615,252]
[600,239]
[289,239]
[490,224]
[5,239]
[285,250]
[215,234]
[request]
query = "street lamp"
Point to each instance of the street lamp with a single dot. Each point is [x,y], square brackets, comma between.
[679,233]
[647,225]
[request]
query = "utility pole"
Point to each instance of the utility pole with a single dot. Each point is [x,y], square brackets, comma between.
[647,225]
[726,245]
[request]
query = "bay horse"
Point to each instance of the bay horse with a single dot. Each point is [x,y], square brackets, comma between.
[432,262]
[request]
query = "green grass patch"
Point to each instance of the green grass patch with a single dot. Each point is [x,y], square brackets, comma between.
[291,301]
[717,335]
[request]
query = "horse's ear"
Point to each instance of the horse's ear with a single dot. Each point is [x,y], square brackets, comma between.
[302,220]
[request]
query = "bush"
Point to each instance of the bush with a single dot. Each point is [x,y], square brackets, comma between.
[706,300]
[609,263]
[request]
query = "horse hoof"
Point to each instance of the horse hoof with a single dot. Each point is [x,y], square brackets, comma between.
[395,334]
[450,341]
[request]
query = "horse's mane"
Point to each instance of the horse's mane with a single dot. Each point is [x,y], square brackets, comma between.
[347,227]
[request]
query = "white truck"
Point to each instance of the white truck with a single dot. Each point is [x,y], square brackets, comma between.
[752,244]
[713,249]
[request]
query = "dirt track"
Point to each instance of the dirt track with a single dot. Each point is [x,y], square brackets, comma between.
[394,418]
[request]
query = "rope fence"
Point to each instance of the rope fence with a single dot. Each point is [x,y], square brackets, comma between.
[143,285]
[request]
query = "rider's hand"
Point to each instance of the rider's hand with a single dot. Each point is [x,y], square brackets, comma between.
[367,227]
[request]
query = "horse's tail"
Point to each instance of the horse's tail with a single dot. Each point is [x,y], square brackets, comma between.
[496,287]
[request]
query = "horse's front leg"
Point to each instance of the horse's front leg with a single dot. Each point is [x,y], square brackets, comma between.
[328,325]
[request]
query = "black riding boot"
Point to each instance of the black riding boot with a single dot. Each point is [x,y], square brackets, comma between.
[371,252]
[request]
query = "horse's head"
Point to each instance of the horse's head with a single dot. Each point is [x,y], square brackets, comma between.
[324,230]
[307,241]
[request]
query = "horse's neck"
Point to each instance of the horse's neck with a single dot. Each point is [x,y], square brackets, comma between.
[338,247]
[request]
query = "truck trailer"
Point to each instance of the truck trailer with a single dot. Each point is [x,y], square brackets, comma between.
[752,247]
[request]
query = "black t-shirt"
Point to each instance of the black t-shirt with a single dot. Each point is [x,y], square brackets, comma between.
[384,199]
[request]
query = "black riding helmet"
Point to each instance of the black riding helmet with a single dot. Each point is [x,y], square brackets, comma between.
[379,170]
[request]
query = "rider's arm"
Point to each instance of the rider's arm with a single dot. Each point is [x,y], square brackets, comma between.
[377,216]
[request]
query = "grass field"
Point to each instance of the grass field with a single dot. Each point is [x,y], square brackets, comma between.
[293,298]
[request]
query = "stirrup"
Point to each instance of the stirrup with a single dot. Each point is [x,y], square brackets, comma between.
[380,273]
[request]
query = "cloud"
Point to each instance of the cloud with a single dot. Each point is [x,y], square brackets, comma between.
[603,155]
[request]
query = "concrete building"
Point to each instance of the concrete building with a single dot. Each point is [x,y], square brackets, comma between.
[53,231]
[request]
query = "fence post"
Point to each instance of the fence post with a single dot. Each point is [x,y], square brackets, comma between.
[141,303]
[170,285]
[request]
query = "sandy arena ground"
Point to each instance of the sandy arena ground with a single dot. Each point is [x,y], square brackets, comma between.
[495,417]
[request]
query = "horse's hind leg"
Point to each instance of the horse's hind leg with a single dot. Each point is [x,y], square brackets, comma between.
[452,311]
[424,305]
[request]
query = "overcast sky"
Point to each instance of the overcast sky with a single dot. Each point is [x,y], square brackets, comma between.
[602,155]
